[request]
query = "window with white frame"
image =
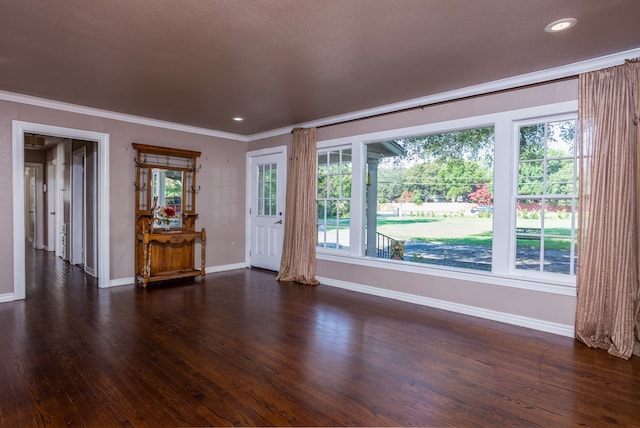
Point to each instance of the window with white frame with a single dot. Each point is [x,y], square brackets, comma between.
[333,200]
[547,197]
[488,193]
[430,199]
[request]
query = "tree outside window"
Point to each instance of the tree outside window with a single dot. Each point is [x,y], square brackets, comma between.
[334,175]
[428,199]
[546,202]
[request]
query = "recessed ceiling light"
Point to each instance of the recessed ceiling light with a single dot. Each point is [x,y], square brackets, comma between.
[560,25]
[238,119]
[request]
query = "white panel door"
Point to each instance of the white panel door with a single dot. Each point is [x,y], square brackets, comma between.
[52,189]
[266,211]
[78,204]
[30,174]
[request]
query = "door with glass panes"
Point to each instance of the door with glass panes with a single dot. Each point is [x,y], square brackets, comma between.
[267,210]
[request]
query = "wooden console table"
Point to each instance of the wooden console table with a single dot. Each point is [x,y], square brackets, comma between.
[169,255]
[165,228]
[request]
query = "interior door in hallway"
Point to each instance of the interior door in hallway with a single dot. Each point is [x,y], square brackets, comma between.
[78,203]
[34,201]
[266,211]
[52,191]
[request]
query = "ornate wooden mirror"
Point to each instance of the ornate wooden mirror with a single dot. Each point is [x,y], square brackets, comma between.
[166,192]
[166,178]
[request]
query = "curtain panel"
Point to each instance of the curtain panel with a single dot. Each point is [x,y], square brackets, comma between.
[607,312]
[300,233]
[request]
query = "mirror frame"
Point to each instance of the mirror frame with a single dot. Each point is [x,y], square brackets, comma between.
[155,157]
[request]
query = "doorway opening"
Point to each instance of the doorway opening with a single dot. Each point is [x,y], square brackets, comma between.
[74,195]
[62,204]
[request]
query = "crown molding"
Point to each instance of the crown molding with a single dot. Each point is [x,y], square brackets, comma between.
[535,77]
[106,114]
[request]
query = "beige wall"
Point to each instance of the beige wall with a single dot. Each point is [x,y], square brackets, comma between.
[220,203]
[536,305]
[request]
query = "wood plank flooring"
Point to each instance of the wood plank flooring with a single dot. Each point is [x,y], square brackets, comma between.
[243,349]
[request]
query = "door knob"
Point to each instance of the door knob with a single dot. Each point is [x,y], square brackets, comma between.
[278,222]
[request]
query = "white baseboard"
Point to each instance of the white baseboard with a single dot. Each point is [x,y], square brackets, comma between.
[532,323]
[9,297]
[120,281]
[223,268]
[209,269]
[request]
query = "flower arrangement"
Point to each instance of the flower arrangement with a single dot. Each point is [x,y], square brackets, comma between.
[165,213]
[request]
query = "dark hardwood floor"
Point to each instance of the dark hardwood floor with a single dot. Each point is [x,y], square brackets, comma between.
[243,349]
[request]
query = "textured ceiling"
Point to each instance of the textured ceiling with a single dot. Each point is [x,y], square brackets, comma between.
[279,63]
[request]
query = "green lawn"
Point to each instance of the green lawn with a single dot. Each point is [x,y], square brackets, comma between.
[469,230]
[436,228]
[466,230]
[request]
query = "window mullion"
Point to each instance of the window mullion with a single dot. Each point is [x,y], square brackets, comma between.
[503,201]
[358,186]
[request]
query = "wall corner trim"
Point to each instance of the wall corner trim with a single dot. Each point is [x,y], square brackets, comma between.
[522,321]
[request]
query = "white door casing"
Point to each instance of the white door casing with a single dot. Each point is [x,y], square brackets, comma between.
[266,182]
[18,130]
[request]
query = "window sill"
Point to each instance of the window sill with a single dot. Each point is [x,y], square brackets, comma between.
[546,285]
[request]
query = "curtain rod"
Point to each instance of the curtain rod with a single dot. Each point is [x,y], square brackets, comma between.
[422,106]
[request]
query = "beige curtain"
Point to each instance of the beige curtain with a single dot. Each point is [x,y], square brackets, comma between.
[300,234]
[608,254]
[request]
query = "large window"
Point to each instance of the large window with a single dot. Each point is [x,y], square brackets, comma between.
[429,199]
[334,197]
[491,194]
[546,201]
